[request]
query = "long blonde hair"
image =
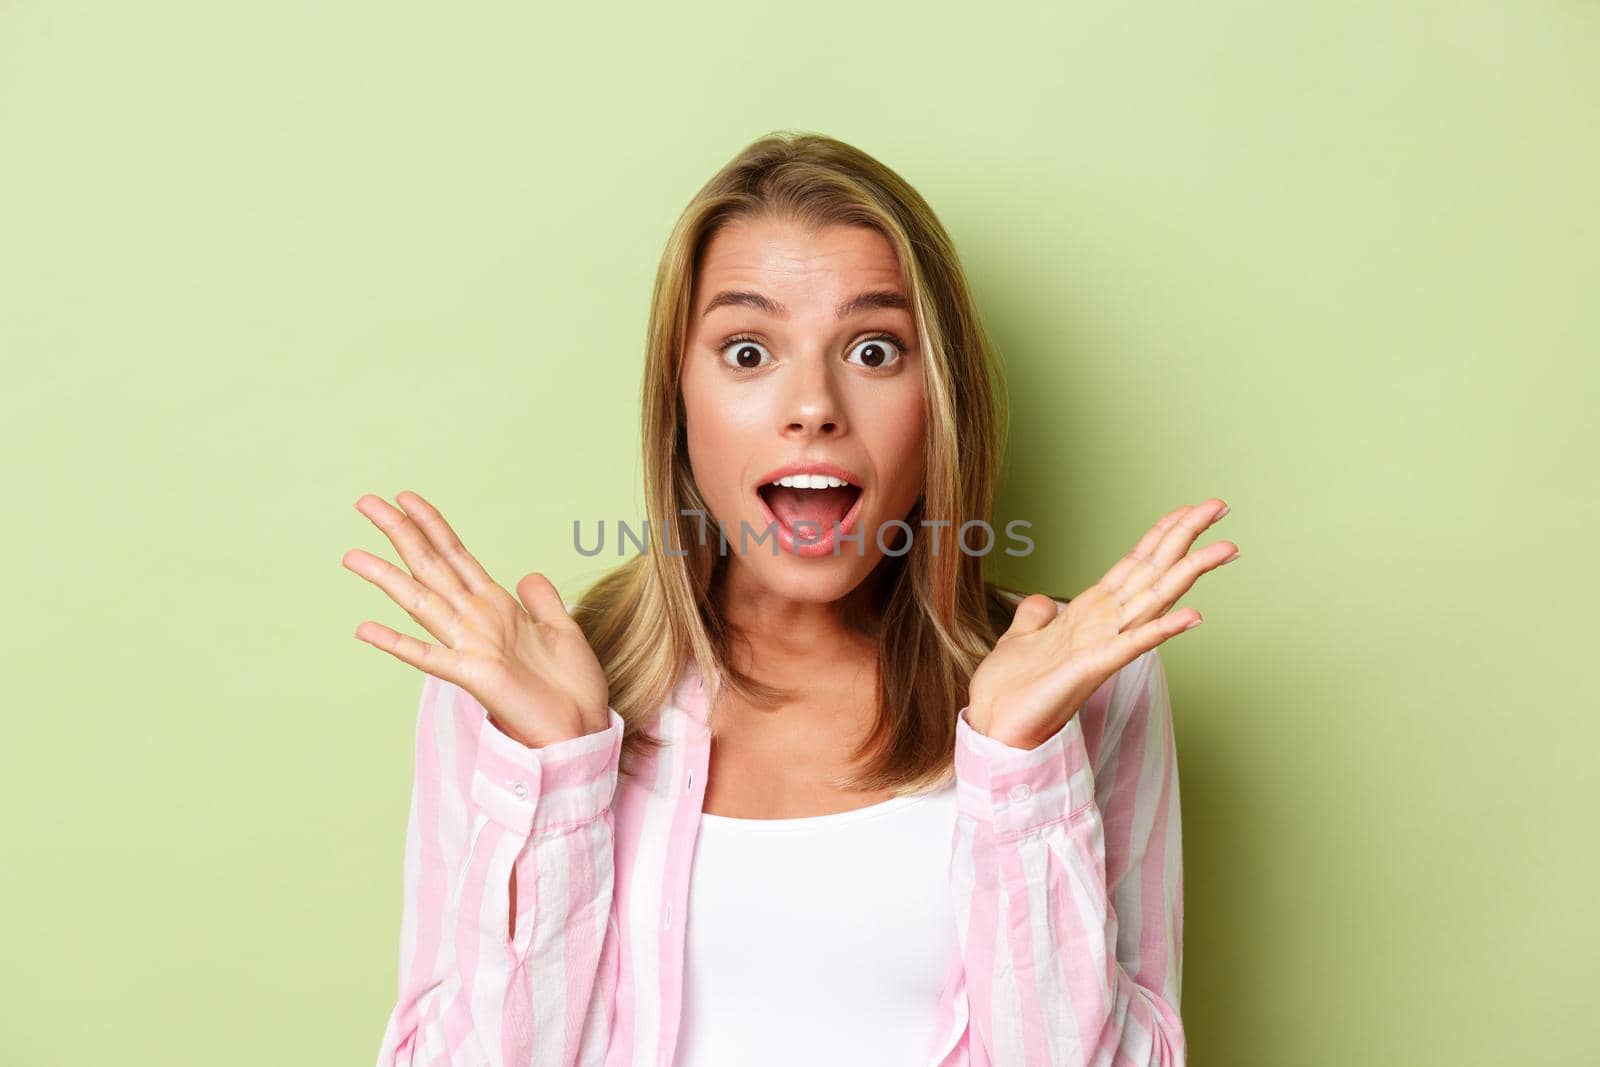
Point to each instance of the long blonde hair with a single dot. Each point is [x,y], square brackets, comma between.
[939,617]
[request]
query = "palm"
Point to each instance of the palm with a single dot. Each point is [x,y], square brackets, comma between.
[508,657]
[1035,674]
[1052,658]
[523,658]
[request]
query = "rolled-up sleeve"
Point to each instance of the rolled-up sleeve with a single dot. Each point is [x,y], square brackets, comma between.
[486,809]
[1067,871]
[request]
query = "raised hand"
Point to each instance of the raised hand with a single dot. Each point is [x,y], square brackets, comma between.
[528,663]
[1051,659]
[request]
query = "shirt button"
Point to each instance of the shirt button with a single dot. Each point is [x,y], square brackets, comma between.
[1020,792]
[669,915]
[690,787]
[521,789]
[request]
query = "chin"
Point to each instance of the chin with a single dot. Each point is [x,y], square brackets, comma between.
[817,580]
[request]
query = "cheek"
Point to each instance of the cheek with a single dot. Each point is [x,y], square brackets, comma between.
[899,432]
[717,436]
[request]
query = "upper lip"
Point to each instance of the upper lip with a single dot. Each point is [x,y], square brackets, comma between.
[810,468]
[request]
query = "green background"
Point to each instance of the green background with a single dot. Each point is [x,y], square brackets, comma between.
[1335,263]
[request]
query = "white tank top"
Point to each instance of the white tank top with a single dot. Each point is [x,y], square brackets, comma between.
[824,939]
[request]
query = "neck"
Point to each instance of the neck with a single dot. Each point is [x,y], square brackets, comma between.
[781,640]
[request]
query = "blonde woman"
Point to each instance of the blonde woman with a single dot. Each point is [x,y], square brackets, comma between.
[795,784]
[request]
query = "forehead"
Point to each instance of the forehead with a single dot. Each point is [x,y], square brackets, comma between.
[794,265]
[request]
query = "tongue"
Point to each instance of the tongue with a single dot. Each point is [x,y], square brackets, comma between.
[823,507]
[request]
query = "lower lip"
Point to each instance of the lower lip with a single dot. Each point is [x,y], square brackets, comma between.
[822,547]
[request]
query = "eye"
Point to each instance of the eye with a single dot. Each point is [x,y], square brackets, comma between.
[742,352]
[878,351]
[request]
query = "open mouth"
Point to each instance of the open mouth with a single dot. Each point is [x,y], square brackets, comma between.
[825,504]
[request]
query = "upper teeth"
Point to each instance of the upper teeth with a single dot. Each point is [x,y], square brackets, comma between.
[811,481]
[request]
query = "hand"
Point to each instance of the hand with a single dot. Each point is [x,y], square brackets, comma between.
[527,663]
[1051,659]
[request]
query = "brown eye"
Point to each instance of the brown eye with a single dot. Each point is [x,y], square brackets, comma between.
[877,352]
[743,353]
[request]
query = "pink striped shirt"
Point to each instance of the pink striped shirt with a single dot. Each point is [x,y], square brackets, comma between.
[1065,866]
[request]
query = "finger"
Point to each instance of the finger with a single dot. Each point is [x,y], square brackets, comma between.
[444,539]
[1173,546]
[1170,546]
[1153,536]
[539,596]
[1129,646]
[420,555]
[1032,613]
[1139,556]
[1175,543]
[1177,580]
[421,603]
[434,659]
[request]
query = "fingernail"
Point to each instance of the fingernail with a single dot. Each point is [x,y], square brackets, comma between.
[1196,622]
[1233,557]
[1224,511]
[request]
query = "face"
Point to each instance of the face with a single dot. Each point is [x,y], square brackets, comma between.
[803,351]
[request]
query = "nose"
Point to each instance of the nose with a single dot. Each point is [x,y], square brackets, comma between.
[813,406]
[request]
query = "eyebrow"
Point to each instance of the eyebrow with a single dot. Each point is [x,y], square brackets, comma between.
[868,301]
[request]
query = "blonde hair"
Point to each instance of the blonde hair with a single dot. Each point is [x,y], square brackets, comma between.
[939,617]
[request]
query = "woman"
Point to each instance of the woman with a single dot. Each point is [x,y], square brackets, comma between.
[795,784]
